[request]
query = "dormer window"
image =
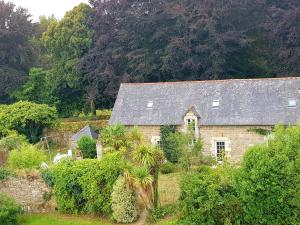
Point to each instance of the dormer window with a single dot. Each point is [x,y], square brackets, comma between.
[215,103]
[292,103]
[150,105]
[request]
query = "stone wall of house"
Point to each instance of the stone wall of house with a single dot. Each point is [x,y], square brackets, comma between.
[237,138]
[148,131]
[28,193]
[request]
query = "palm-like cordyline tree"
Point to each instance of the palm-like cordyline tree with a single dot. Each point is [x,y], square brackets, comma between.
[151,158]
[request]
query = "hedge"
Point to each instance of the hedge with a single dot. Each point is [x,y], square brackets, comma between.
[85,186]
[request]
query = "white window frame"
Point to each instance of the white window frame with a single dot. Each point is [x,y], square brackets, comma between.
[227,147]
[216,103]
[156,141]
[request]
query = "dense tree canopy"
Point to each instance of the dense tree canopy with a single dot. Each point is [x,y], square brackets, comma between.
[16,51]
[88,53]
[149,41]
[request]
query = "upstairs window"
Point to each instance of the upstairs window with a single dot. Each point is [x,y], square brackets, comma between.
[215,103]
[292,103]
[191,124]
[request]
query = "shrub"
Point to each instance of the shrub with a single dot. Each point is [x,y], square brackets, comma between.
[161,212]
[167,168]
[85,186]
[124,203]
[49,177]
[87,145]
[269,181]
[208,197]
[29,118]
[12,141]
[9,210]
[4,173]
[28,157]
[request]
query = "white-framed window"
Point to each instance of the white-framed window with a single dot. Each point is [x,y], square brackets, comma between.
[156,141]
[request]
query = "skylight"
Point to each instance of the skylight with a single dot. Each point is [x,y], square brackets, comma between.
[150,104]
[216,103]
[292,103]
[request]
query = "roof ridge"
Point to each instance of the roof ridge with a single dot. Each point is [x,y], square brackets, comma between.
[212,81]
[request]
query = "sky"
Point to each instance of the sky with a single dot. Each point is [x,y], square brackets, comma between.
[47,7]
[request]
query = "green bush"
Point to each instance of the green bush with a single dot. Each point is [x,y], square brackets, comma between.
[4,173]
[161,212]
[28,118]
[85,186]
[167,168]
[9,210]
[87,145]
[269,180]
[124,203]
[208,197]
[28,157]
[49,177]
[12,141]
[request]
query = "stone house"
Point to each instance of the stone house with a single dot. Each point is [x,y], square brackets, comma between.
[225,112]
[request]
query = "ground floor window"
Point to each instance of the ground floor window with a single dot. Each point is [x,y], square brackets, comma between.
[155,140]
[220,150]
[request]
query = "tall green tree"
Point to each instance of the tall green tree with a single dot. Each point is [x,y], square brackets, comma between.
[66,41]
[16,51]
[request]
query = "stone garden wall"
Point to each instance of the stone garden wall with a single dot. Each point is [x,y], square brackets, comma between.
[28,193]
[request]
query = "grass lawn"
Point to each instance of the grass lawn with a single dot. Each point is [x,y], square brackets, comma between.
[56,219]
[169,189]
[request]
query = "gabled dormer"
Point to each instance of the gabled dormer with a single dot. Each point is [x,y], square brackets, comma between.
[191,121]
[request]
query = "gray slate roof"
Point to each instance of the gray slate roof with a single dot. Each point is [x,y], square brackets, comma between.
[242,102]
[86,131]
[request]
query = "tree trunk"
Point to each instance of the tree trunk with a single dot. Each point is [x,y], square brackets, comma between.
[155,189]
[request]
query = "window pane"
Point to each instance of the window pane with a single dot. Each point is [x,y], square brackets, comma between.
[220,145]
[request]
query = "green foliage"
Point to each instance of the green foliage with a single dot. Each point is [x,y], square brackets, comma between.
[47,196]
[175,145]
[183,148]
[29,118]
[208,197]
[114,138]
[27,157]
[124,203]
[17,53]
[103,114]
[166,143]
[66,41]
[38,88]
[269,181]
[260,131]
[48,177]
[85,186]
[167,168]
[9,210]
[161,212]
[87,146]
[12,141]
[4,173]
